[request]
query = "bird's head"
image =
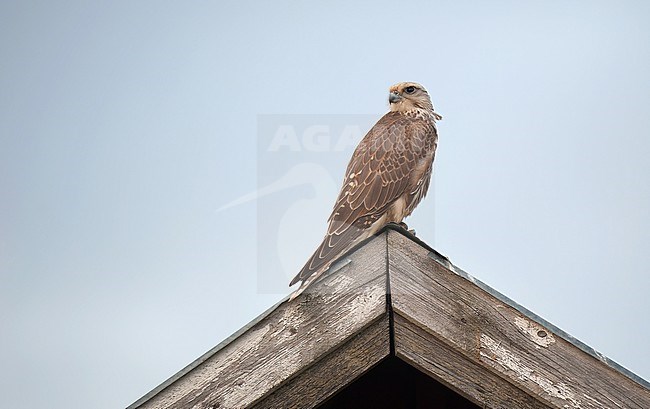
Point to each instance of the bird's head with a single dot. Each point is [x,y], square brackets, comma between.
[406,96]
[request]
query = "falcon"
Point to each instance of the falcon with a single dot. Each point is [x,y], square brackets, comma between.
[388,175]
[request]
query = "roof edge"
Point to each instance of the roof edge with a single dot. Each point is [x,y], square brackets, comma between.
[342,262]
[445,262]
[169,381]
[438,258]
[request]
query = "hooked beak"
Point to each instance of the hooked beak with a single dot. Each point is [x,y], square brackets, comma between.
[394,97]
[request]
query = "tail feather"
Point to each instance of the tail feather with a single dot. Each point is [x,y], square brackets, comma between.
[330,250]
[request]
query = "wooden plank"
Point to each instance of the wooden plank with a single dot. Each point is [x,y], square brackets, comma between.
[435,358]
[288,340]
[335,371]
[497,337]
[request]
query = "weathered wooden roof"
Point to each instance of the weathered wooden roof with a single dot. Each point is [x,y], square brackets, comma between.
[396,297]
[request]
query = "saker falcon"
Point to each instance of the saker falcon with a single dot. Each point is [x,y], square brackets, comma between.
[386,178]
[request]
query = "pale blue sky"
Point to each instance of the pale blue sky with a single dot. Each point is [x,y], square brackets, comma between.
[124,126]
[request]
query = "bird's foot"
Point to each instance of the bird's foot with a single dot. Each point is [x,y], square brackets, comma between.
[406,227]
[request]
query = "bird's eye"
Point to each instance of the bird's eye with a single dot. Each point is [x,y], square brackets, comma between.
[409,90]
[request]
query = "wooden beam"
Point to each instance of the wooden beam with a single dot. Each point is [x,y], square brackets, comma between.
[334,372]
[286,342]
[434,306]
[435,358]
[440,320]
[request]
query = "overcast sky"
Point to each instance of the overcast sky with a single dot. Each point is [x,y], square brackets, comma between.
[126,127]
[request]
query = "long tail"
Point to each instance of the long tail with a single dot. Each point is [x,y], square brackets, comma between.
[330,250]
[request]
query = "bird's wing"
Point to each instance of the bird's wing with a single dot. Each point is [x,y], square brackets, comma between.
[378,174]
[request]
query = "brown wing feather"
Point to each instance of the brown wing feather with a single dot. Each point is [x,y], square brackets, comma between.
[377,175]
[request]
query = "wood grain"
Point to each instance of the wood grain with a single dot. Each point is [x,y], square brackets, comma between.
[444,324]
[290,339]
[335,371]
[497,337]
[450,367]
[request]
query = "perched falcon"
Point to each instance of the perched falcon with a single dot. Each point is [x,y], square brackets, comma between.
[386,178]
